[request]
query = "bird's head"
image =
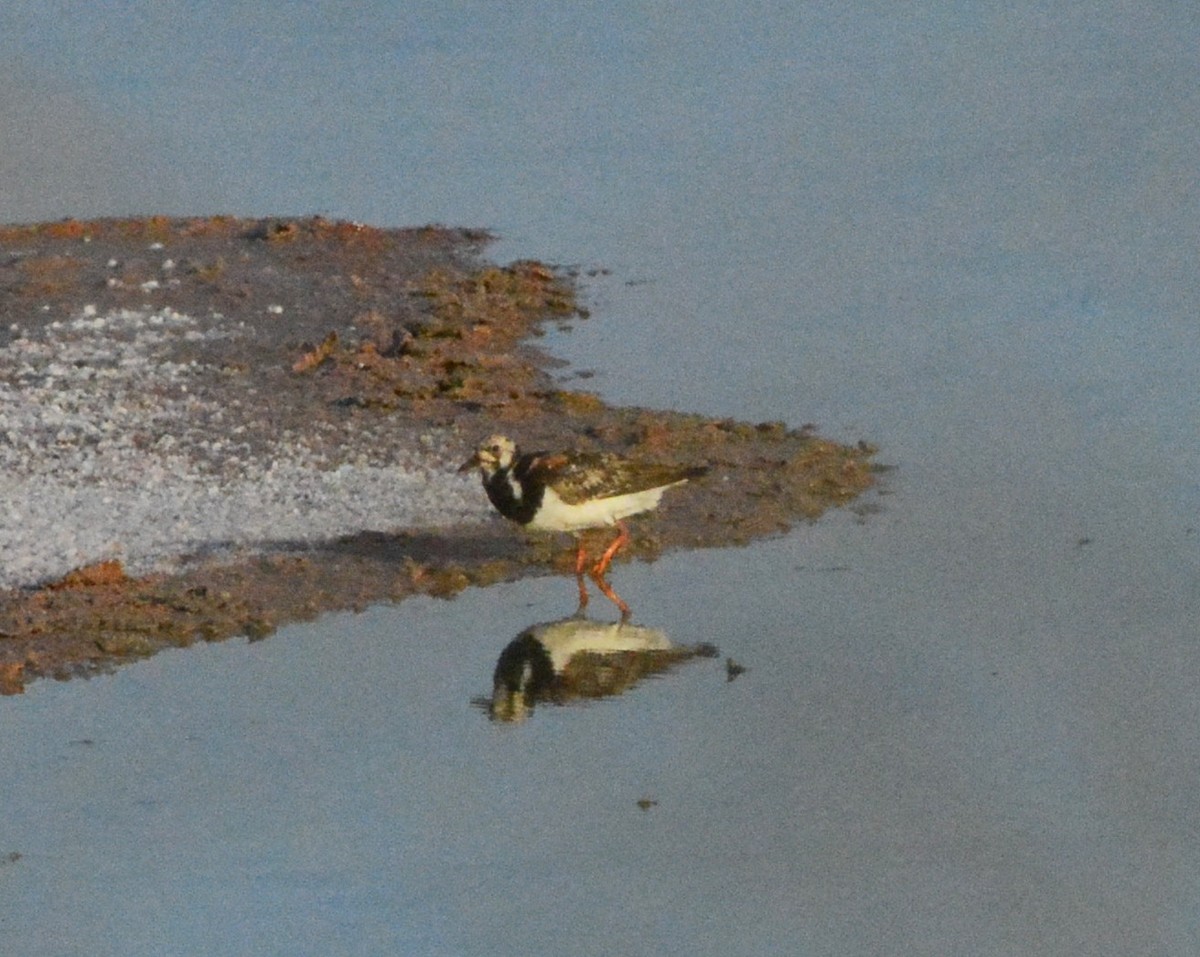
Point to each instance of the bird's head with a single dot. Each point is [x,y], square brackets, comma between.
[495,453]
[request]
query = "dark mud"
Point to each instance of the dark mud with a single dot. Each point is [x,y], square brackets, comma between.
[383,334]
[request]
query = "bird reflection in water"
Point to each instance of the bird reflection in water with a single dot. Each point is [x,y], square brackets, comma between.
[577,659]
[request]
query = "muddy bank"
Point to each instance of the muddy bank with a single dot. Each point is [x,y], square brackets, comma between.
[351,355]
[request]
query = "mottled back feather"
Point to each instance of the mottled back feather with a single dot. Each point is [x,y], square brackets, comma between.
[580,476]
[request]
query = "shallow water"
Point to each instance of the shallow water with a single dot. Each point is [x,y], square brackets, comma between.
[968,720]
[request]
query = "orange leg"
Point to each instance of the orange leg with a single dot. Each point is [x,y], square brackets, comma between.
[611,595]
[601,567]
[618,543]
[580,565]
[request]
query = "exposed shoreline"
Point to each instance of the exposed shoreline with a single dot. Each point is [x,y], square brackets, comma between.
[231,424]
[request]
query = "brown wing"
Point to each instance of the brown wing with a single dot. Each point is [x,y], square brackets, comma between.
[580,476]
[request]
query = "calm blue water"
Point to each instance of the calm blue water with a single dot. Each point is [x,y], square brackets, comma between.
[968,724]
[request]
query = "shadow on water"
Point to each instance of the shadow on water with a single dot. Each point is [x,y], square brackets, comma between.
[578,659]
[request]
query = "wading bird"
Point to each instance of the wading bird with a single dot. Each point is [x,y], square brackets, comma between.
[572,491]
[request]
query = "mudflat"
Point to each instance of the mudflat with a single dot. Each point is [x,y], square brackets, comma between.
[213,427]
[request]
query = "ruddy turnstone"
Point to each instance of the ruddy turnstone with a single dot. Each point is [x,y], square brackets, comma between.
[572,491]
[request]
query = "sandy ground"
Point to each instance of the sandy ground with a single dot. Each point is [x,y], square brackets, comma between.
[212,427]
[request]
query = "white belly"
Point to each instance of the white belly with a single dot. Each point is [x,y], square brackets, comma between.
[555,515]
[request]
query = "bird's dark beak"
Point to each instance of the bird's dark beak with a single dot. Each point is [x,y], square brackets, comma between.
[471,463]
